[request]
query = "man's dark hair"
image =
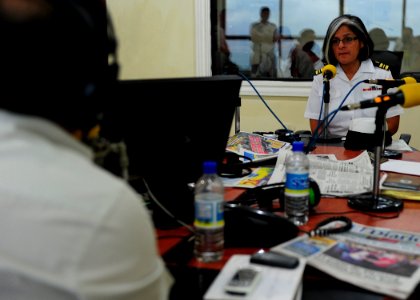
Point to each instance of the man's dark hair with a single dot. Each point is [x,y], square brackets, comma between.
[54,65]
[265,8]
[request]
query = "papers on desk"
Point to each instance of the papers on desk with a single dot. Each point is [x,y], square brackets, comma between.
[258,177]
[404,182]
[378,259]
[254,146]
[399,145]
[401,166]
[334,177]
[401,186]
[275,283]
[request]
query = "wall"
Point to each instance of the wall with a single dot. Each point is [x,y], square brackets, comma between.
[255,116]
[157,39]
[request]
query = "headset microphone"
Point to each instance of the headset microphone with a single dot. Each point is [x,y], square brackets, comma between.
[389,83]
[408,95]
[328,72]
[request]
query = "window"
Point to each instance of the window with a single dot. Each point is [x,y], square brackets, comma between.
[299,22]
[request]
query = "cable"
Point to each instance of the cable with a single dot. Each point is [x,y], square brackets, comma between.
[341,104]
[333,114]
[262,99]
[356,211]
[344,224]
[315,135]
[155,200]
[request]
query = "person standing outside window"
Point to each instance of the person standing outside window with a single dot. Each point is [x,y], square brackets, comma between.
[264,37]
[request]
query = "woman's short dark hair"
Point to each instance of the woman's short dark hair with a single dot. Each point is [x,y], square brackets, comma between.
[359,29]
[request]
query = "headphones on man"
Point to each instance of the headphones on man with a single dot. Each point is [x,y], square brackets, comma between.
[98,22]
[266,196]
[63,52]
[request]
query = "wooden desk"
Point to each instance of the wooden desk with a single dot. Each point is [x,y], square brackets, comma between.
[407,219]
[182,264]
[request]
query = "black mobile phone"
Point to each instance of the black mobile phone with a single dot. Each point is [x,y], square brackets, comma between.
[275,259]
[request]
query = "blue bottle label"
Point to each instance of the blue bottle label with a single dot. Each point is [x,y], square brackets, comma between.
[297,183]
[208,214]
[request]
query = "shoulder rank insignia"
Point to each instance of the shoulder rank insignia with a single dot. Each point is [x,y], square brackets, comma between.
[380,65]
[319,71]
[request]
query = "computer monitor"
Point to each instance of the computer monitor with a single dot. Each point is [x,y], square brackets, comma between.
[170,126]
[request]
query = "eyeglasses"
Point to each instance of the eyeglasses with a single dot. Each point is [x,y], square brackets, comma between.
[346,40]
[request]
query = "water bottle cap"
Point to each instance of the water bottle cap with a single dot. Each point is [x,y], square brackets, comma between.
[298,146]
[209,167]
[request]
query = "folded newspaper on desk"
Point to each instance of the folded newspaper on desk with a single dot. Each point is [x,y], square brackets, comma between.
[378,259]
[334,177]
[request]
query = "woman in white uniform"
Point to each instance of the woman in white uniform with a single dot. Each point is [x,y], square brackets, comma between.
[348,47]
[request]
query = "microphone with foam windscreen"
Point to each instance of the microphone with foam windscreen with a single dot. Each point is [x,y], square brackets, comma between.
[390,83]
[328,72]
[408,95]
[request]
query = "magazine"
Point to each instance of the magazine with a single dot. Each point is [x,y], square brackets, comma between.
[401,186]
[378,259]
[254,146]
[258,177]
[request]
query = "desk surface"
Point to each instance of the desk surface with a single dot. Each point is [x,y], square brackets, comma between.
[406,220]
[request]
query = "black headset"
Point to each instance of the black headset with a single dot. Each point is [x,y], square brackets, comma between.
[98,21]
[265,196]
[72,62]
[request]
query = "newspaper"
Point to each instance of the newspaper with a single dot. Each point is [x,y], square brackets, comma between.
[254,146]
[334,177]
[377,259]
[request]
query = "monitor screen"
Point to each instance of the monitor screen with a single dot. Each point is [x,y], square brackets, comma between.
[170,126]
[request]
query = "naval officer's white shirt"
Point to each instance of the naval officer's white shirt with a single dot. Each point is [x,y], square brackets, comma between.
[340,85]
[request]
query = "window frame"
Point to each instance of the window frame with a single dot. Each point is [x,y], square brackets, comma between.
[203,61]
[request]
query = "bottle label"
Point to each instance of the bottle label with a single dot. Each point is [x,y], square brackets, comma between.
[297,184]
[208,214]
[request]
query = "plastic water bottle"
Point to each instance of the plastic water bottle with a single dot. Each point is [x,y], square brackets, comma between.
[209,220]
[296,193]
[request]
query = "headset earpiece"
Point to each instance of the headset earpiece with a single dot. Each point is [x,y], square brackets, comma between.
[113,66]
[264,196]
[314,195]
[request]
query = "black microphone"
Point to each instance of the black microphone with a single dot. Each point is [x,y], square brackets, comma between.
[408,95]
[389,83]
[329,72]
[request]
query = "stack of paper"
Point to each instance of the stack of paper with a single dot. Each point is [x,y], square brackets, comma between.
[275,283]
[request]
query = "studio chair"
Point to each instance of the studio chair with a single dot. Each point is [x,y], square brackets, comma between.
[391,58]
[406,137]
